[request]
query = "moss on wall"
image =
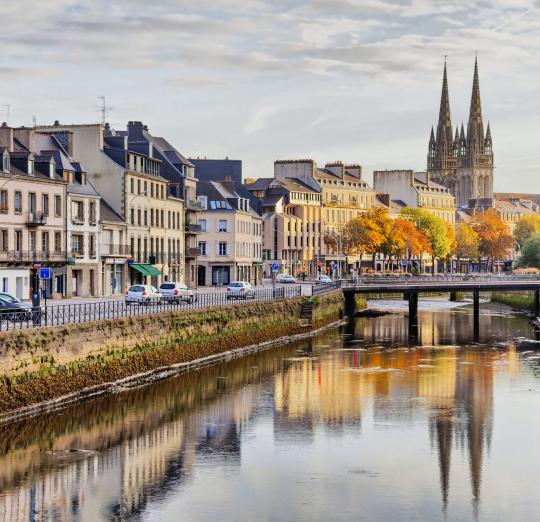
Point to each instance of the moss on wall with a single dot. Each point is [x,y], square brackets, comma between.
[42,364]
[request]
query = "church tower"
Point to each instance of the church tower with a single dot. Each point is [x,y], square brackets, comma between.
[442,150]
[474,176]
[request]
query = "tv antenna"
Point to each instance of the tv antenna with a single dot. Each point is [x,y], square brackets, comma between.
[8,108]
[104,109]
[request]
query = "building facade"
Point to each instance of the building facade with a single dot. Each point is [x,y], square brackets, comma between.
[463,162]
[417,190]
[230,241]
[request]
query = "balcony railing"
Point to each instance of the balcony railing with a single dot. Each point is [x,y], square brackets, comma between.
[35,219]
[4,209]
[31,256]
[77,220]
[193,228]
[192,252]
[78,252]
[175,258]
[193,204]
[115,250]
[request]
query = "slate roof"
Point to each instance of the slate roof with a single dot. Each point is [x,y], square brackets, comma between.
[107,213]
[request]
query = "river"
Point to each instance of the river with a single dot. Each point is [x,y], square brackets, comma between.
[352,425]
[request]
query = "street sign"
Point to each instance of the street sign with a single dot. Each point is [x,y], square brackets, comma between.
[275,267]
[334,266]
[44,273]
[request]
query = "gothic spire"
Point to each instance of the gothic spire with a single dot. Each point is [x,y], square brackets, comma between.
[475,127]
[444,127]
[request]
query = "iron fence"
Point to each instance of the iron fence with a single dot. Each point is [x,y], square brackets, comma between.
[61,314]
[325,287]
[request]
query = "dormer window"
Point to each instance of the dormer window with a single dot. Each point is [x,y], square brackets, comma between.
[5,163]
[30,166]
[51,170]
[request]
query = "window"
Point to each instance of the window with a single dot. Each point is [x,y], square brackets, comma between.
[45,242]
[57,241]
[30,166]
[18,240]
[31,202]
[77,244]
[139,216]
[57,206]
[222,225]
[45,204]
[131,185]
[4,207]
[5,163]
[4,240]
[151,190]
[151,217]
[138,186]
[202,224]
[92,245]
[145,217]
[202,247]
[32,241]
[132,216]
[77,210]
[93,219]
[222,248]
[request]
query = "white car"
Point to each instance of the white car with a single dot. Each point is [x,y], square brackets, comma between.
[240,290]
[175,292]
[286,278]
[324,279]
[142,294]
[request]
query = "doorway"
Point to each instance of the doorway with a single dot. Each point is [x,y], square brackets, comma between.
[201,275]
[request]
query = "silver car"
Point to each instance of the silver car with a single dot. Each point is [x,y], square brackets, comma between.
[240,290]
[173,292]
[142,294]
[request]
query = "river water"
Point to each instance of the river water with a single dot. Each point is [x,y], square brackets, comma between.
[352,425]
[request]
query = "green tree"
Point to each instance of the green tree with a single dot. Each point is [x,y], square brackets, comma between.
[530,253]
[362,235]
[526,228]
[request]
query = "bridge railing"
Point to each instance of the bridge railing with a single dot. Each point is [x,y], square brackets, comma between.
[385,279]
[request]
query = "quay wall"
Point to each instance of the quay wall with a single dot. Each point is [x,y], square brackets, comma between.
[44,364]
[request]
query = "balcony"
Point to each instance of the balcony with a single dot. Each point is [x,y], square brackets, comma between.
[193,228]
[193,252]
[35,219]
[175,258]
[77,220]
[4,209]
[32,256]
[192,204]
[115,250]
[77,253]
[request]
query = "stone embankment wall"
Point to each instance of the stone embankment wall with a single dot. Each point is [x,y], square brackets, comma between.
[42,364]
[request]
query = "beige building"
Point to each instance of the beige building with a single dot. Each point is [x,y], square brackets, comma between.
[230,239]
[417,190]
[131,183]
[32,218]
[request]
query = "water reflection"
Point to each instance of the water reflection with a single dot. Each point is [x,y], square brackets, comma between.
[187,443]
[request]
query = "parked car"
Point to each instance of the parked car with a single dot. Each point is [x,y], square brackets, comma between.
[324,279]
[13,309]
[174,292]
[142,294]
[240,290]
[286,278]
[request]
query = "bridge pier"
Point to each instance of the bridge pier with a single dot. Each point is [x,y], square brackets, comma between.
[476,314]
[453,296]
[350,303]
[413,316]
[537,303]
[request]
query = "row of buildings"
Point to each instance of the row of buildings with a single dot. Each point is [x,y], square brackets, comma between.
[105,208]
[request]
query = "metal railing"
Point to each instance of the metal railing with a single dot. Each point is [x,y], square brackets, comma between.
[115,250]
[28,256]
[392,278]
[193,228]
[325,287]
[36,218]
[193,204]
[57,315]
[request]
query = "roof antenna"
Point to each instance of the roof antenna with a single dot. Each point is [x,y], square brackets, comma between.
[8,107]
[34,120]
[103,109]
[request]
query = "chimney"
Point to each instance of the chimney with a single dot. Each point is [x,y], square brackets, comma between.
[385,198]
[135,131]
[336,168]
[6,137]
[354,170]
[25,136]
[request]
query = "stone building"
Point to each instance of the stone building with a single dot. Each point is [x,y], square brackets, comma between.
[416,189]
[462,162]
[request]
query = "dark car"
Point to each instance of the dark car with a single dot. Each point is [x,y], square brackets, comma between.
[13,309]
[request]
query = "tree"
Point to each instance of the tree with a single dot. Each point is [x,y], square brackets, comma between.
[526,228]
[495,241]
[434,228]
[530,253]
[467,242]
[362,235]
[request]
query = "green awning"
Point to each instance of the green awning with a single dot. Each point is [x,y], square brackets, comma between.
[146,269]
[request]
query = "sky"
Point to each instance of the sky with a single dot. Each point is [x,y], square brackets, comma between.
[259,80]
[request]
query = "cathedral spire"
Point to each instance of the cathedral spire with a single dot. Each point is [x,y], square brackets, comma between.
[475,127]
[444,127]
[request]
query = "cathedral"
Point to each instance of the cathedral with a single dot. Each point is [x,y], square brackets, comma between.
[462,162]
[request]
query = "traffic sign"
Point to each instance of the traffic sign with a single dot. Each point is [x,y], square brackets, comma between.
[45,273]
[275,267]
[334,266]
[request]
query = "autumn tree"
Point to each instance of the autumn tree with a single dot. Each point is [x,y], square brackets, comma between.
[495,241]
[406,241]
[526,228]
[467,242]
[362,235]
[435,230]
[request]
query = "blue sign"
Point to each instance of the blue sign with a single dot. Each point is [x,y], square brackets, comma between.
[334,266]
[275,267]
[45,273]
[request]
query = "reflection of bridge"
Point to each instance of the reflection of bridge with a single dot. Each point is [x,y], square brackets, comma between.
[411,287]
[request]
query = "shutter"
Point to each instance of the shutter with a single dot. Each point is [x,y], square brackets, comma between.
[217,248]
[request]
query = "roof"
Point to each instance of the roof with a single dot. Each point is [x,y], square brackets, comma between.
[83,190]
[107,213]
[516,195]
[172,154]
[259,184]
[296,185]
